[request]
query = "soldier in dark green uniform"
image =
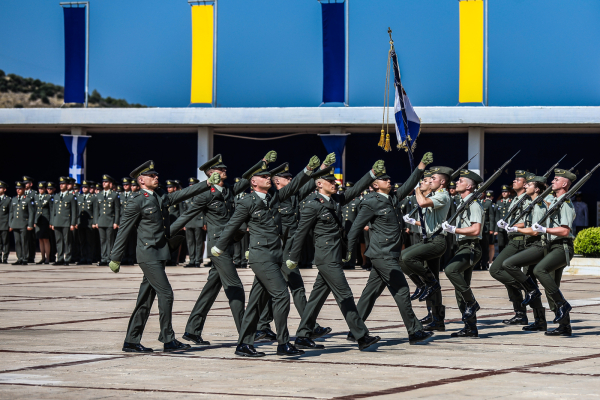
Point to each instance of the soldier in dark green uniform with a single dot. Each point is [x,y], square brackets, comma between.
[468,231]
[261,212]
[349,213]
[381,212]
[124,197]
[322,215]
[195,234]
[31,235]
[502,206]
[63,220]
[147,212]
[107,214]
[42,222]
[218,207]
[487,239]
[85,220]
[5,202]
[174,213]
[51,189]
[96,246]
[20,221]
[241,247]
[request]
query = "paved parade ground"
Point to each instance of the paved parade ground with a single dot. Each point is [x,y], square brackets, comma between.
[62,328]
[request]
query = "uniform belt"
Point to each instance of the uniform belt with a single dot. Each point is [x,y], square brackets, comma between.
[561,241]
[468,241]
[517,237]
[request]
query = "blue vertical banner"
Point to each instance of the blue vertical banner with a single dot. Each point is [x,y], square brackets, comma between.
[334,48]
[76,146]
[336,144]
[74,54]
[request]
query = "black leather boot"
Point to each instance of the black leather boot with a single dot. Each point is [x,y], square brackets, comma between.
[520,317]
[428,318]
[471,305]
[562,330]
[470,330]
[562,307]
[420,286]
[431,286]
[438,314]
[539,324]
[532,291]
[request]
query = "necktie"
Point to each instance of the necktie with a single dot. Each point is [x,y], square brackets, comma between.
[267,199]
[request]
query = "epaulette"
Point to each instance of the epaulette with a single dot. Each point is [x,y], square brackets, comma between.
[567,201]
[320,200]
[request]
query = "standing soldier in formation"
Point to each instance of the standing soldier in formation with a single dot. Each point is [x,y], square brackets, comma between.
[107,213]
[42,222]
[31,235]
[51,189]
[194,232]
[148,213]
[124,197]
[20,222]
[63,221]
[240,247]
[5,202]
[86,204]
[502,206]
[174,213]
[487,241]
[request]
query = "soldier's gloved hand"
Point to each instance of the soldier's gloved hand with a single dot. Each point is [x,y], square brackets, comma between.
[246,254]
[271,156]
[348,257]
[448,228]
[427,158]
[314,163]
[502,224]
[511,229]
[215,251]
[291,264]
[214,179]
[538,228]
[379,168]
[409,220]
[115,266]
[329,160]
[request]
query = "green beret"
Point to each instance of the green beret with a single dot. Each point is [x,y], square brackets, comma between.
[521,174]
[565,174]
[441,170]
[534,178]
[427,174]
[465,173]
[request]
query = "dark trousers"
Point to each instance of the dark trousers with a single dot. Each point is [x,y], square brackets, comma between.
[460,270]
[485,255]
[63,244]
[222,274]
[195,244]
[21,244]
[526,260]
[155,283]
[308,251]
[75,250]
[107,238]
[85,236]
[331,279]
[498,272]
[239,251]
[96,246]
[52,257]
[268,283]
[130,248]
[4,246]
[31,244]
[502,239]
[549,270]
[386,272]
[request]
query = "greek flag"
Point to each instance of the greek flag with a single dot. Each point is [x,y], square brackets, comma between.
[408,124]
[76,146]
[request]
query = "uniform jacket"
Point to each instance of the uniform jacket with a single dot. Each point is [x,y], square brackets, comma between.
[385,219]
[107,210]
[148,213]
[85,210]
[502,206]
[22,212]
[290,209]
[4,212]
[489,208]
[264,222]
[349,213]
[64,211]
[196,222]
[123,200]
[321,214]
[43,205]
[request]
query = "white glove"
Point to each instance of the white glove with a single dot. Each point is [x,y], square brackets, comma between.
[511,229]
[502,224]
[409,220]
[448,228]
[538,228]
[216,252]
[291,264]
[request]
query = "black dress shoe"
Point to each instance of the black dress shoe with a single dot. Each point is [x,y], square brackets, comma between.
[367,341]
[520,318]
[350,337]
[65,264]
[17,263]
[175,345]
[429,290]
[288,349]
[307,343]
[190,265]
[23,262]
[466,332]
[269,334]
[320,331]
[247,350]
[196,339]
[39,262]
[536,326]
[259,335]
[418,292]
[46,262]
[470,309]
[419,336]
[103,264]
[136,348]
[562,330]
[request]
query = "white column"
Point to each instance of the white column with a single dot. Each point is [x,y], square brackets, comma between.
[476,145]
[205,148]
[78,131]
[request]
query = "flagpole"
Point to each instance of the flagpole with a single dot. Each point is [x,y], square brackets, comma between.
[347,53]
[215,58]
[486,51]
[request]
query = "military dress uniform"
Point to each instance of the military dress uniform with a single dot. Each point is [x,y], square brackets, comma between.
[86,204]
[5,203]
[51,187]
[241,247]
[32,242]
[174,213]
[107,213]
[195,234]
[124,197]
[42,215]
[348,215]
[22,213]
[489,209]
[502,206]
[64,215]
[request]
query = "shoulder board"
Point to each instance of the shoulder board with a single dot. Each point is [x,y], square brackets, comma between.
[567,201]
[320,200]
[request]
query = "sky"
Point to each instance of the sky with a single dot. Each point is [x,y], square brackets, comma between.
[541,52]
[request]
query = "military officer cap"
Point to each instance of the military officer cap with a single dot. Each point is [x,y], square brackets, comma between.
[383,177]
[71,180]
[215,162]
[452,185]
[134,183]
[193,180]
[171,183]
[76,185]
[489,194]
[177,183]
[535,178]
[85,183]
[441,170]
[283,170]
[146,168]
[427,173]
[27,179]
[471,175]
[125,181]
[50,185]
[341,189]
[98,186]
[119,188]
[259,169]
[20,185]
[63,179]
[505,188]
[107,178]
[565,174]
[237,179]
[349,184]
[523,174]
[397,185]
[41,185]
[3,184]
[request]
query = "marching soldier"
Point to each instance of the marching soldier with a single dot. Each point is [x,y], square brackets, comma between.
[63,220]
[107,212]
[349,213]
[194,232]
[241,247]
[502,206]
[322,215]
[42,222]
[468,231]
[30,192]
[451,239]
[96,256]
[487,240]
[148,213]
[20,222]
[86,203]
[5,202]
[124,197]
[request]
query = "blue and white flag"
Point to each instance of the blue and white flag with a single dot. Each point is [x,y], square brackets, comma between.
[408,124]
[76,146]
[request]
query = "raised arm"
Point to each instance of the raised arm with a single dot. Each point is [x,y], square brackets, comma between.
[190,191]
[356,190]
[404,190]
[365,213]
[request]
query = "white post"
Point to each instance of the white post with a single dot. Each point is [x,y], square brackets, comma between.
[476,145]
[205,148]
[78,131]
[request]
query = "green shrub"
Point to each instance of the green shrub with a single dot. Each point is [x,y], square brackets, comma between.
[587,242]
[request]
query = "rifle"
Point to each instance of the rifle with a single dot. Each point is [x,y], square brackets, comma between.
[482,189]
[556,206]
[522,200]
[453,177]
[540,198]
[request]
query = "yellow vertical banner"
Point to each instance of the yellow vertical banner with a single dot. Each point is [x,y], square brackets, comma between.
[202,53]
[470,82]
